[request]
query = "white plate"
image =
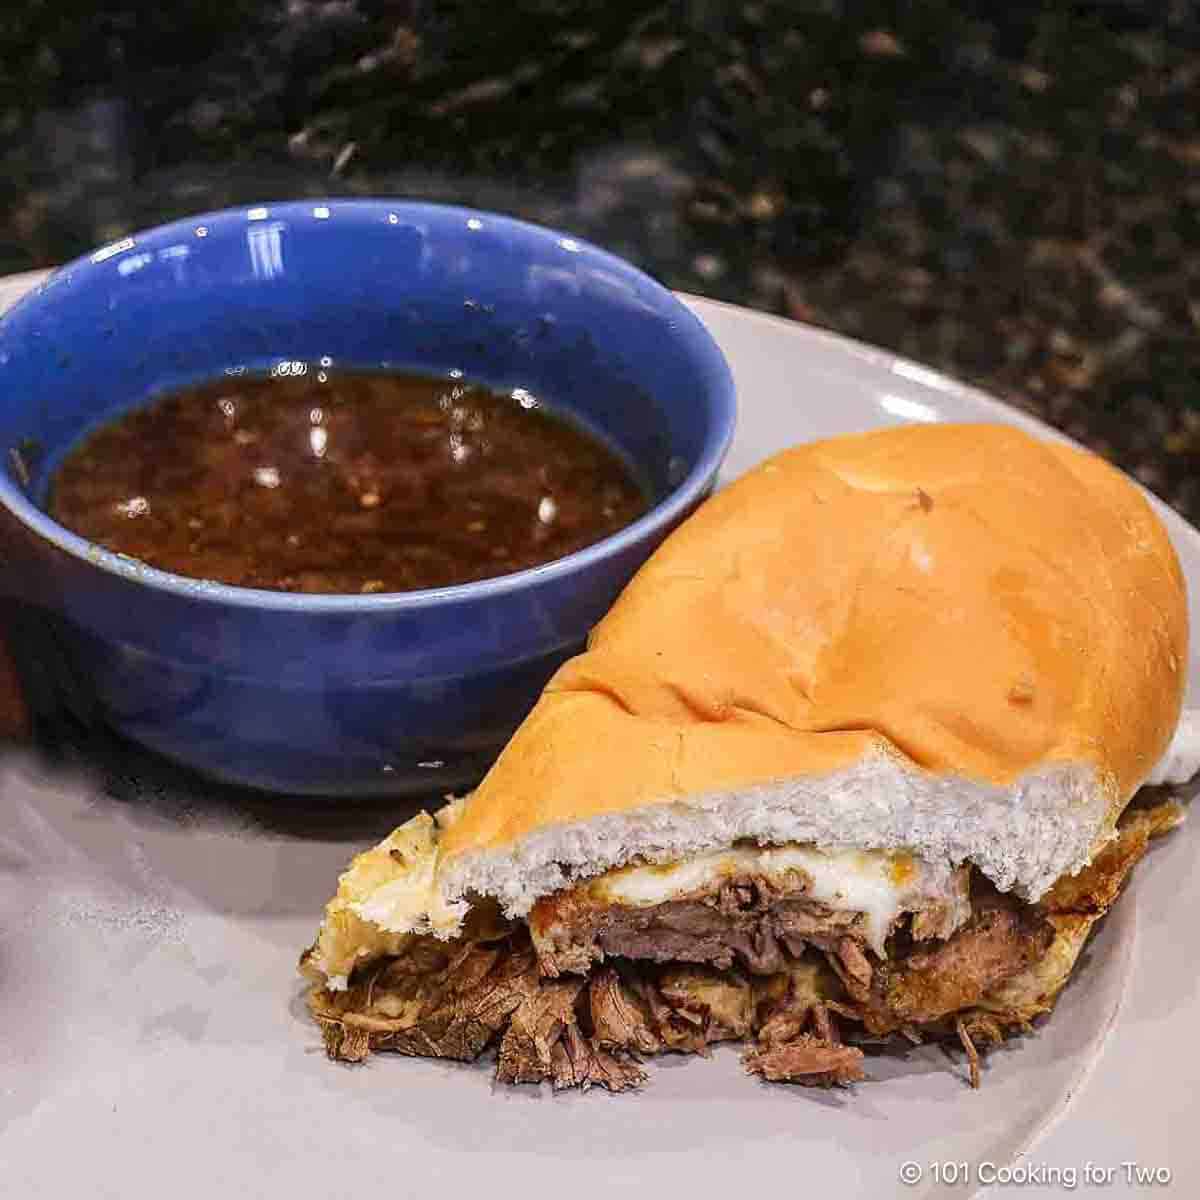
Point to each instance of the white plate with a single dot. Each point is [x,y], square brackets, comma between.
[155,1042]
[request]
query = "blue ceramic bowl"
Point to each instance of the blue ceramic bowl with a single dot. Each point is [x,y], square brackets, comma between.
[339,694]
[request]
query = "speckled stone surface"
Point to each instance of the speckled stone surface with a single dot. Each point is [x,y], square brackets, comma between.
[1013,198]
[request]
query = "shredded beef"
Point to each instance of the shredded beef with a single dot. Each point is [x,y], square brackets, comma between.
[1002,938]
[428,1002]
[806,1060]
[852,964]
[969,1050]
[618,1017]
[1001,969]
[535,1028]
[578,1062]
[746,921]
[719,1002]
[798,1039]
[681,1030]
[1072,907]
[454,1000]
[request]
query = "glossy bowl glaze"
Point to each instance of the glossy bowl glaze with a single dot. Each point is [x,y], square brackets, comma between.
[409,692]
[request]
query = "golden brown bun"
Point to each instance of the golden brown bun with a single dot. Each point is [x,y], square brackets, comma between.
[964,599]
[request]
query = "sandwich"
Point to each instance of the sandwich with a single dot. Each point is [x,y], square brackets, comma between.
[850,760]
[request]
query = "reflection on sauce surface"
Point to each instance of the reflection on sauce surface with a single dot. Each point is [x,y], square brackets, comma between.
[351,483]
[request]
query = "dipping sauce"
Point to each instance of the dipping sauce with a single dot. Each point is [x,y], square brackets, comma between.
[350,483]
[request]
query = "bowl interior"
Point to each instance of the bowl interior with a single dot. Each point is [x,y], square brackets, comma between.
[361,284]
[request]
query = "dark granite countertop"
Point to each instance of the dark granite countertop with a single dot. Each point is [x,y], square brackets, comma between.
[1013,198]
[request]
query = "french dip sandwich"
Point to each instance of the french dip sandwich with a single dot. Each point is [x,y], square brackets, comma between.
[849,759]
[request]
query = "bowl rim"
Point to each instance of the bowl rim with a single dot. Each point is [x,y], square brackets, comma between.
[666,512]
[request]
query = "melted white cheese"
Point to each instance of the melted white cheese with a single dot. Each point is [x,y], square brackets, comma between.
[878,884]
[388,893]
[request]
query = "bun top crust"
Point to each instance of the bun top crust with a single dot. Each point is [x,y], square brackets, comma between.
[965,598]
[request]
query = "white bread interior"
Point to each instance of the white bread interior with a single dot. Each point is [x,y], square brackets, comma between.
[1022,837]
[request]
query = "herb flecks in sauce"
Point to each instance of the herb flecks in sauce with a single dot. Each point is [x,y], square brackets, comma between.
[354,483]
